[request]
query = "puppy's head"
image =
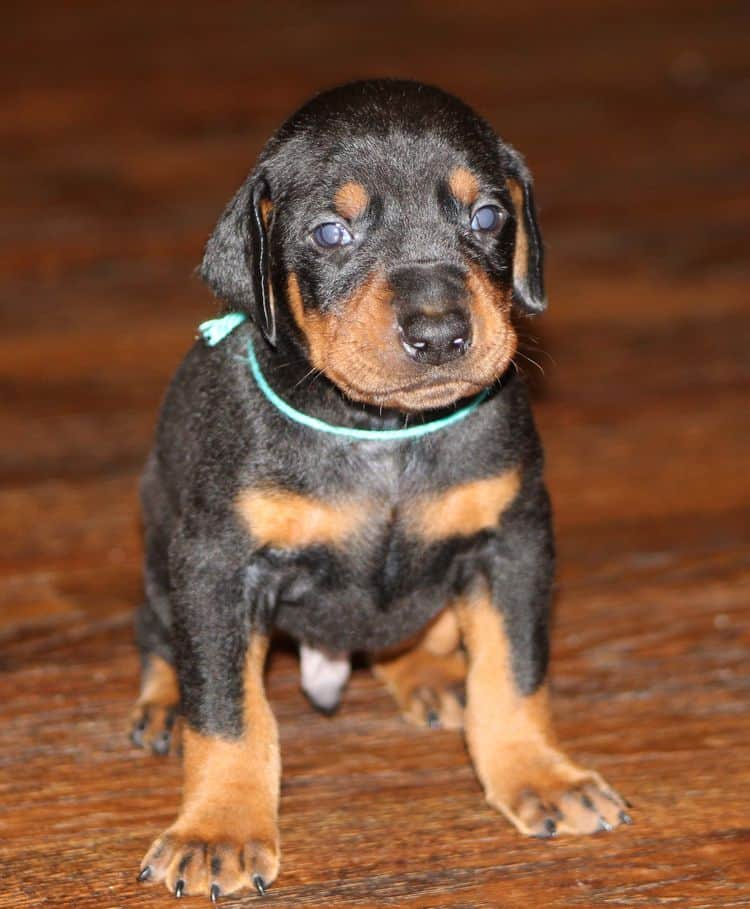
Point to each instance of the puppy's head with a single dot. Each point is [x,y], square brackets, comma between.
[386,232]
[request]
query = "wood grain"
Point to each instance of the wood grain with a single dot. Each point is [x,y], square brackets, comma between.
[126,128]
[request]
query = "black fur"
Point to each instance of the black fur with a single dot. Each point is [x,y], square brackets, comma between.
[208,585]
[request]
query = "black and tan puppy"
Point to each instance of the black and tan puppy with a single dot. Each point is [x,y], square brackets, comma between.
[356,464]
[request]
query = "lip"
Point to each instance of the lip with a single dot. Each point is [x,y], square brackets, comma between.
[415,386]
[417,396]
[436,387]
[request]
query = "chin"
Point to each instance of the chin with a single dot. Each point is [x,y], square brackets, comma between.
[419,398]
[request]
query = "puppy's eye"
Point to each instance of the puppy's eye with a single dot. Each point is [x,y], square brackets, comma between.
[331,234]
[487,218]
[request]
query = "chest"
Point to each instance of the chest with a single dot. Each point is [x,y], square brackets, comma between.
[364,518]
[371,557]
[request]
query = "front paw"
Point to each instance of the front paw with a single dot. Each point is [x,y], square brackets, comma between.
[190,862]
[546,797]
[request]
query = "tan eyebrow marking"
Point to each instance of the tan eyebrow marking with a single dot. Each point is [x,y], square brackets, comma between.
[351,200]
[464,185]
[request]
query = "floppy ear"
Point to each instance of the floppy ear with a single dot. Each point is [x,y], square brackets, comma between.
[235,262]
[528,255]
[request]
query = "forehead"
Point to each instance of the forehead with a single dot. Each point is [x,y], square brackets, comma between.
[406,166]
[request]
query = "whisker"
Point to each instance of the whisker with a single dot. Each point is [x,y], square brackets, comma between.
[531,360]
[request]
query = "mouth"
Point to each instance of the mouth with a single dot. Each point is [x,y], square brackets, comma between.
[417,396]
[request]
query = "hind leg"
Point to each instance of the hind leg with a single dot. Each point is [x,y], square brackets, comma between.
[427,681]
[155,722]
[155,719]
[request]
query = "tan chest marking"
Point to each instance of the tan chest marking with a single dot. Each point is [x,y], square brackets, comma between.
[289,520]
[464,510]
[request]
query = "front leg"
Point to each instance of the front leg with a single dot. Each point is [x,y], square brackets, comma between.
[225,838]
[507,719]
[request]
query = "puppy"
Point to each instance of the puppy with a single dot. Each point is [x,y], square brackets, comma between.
[348,455]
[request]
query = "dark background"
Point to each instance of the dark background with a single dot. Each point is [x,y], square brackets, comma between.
[125,129]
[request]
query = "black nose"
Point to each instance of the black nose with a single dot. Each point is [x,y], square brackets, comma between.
[435,338]
[433,321]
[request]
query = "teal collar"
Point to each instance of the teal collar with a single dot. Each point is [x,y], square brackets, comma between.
[215,330]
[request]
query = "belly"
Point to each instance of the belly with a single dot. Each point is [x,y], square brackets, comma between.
[352,619]
[374,593]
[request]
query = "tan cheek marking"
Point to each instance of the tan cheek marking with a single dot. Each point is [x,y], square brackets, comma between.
[494,336]
[288,520]
[351,200]
[318,331]
[464,510]
[464,185]
[231,787]
[357,349]
[521,254]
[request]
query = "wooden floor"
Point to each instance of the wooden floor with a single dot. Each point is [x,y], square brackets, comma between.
[126,127]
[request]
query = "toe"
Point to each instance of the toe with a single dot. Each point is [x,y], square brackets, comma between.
[535,815]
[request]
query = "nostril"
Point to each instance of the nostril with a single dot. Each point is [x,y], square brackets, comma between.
[434,339]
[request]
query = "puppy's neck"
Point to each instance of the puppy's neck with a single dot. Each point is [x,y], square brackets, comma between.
[311,392]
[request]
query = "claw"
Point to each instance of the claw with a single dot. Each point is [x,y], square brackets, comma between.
[604,824]
[625,818]
[145,873]
[179,888]
[214,894]
[550,829]
[260,884]
[433,719]
[160,745]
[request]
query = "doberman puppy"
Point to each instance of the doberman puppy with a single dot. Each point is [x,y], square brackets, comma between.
[348,455]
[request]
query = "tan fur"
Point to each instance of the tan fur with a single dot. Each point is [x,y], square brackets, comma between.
[426,680]
[464,185]
[288,520]
[521,254]
[153,720]
[266,210]
[465,509]
[511,741]
[160,684]
[357,346]
[235,783]
[230,799]
[351,200]
[426,687]
[443,635]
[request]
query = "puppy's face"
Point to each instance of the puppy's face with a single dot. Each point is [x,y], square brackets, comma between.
[397,231]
